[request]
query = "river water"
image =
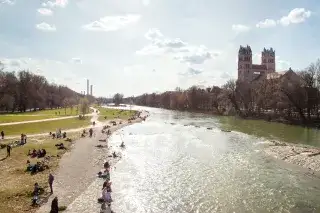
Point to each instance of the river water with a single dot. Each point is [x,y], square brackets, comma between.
[173,163]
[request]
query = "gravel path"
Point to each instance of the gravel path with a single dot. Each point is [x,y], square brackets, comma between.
[42,120]
[79,167]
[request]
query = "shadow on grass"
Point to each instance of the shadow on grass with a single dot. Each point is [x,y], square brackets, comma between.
[2,159]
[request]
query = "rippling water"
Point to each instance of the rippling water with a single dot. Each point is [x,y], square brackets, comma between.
[173,163]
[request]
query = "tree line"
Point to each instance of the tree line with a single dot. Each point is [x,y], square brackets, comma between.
[24,90]
[290,97]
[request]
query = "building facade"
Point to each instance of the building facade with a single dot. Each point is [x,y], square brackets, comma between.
[247,71]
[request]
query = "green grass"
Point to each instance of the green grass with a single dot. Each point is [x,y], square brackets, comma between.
[16,184]
[69,111]
[46,126]
[55,112]
[19,118]
[114,113]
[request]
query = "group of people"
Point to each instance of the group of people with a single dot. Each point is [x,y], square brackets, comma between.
[40,153]
[36,192]
[58,134]
[38,167]
[106,191]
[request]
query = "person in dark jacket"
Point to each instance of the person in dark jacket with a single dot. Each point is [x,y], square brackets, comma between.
[8,150]
[51,179]
[2,134]
[54,206]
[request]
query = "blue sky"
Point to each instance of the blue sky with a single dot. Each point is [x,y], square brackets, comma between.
[137,46]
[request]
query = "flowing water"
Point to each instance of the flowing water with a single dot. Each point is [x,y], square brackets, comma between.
[173,163]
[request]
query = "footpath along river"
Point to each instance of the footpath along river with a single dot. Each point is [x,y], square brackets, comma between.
[173,163]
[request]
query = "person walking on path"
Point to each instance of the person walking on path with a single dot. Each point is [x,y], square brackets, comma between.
[8,150]
[54,206]
[2,134]
[51,179]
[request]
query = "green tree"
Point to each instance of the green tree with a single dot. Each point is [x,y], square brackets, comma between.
[117,99]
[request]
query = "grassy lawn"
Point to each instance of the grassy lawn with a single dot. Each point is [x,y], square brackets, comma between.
[69,111]
[114,113]
[16,184]
[19,118]
[55,112]
[46,126]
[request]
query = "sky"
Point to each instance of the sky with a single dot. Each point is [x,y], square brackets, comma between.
[138,46]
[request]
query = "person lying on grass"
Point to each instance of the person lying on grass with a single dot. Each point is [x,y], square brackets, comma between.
[60,146]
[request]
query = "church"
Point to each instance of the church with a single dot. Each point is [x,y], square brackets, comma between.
[247,71]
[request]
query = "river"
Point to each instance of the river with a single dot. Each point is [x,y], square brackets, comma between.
[173,163]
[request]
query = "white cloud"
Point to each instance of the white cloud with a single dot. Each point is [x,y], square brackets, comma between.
[296,16]
[112,23]
[282,65]
[145,2]
[267,23]
[191,71]
[8,2]
[178,49]
[46,27]
[239,28]
[225,75]
[56,3]
[76,60]
[45,11]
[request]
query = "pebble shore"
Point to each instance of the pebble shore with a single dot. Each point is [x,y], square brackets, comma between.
[301,155]
[79,167]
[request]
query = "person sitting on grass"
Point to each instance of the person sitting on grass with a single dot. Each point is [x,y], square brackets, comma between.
[29,166]
[60,146]
[34,153]
[42,153]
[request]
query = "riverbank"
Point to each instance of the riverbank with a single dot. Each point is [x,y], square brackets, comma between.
[78,168]
[304,156]
[268,117]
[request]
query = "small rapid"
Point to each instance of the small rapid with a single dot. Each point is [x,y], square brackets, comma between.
[173,163]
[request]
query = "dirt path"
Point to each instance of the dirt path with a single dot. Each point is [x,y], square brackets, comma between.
[42,120]
[78,168]
[94,118]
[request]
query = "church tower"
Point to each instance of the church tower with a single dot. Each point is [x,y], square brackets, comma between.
[244,63]
[268,58]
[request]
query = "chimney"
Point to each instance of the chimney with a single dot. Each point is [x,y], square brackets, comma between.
[91,89]
[87,86]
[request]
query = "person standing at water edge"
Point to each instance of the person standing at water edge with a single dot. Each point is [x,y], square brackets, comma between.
[51,179]
[2,134]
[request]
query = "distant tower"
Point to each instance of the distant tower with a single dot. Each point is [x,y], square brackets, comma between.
[91,89]
[268,58]
[87,86]
[244,63]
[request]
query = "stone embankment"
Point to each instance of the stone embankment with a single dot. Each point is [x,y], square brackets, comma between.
[302,155]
